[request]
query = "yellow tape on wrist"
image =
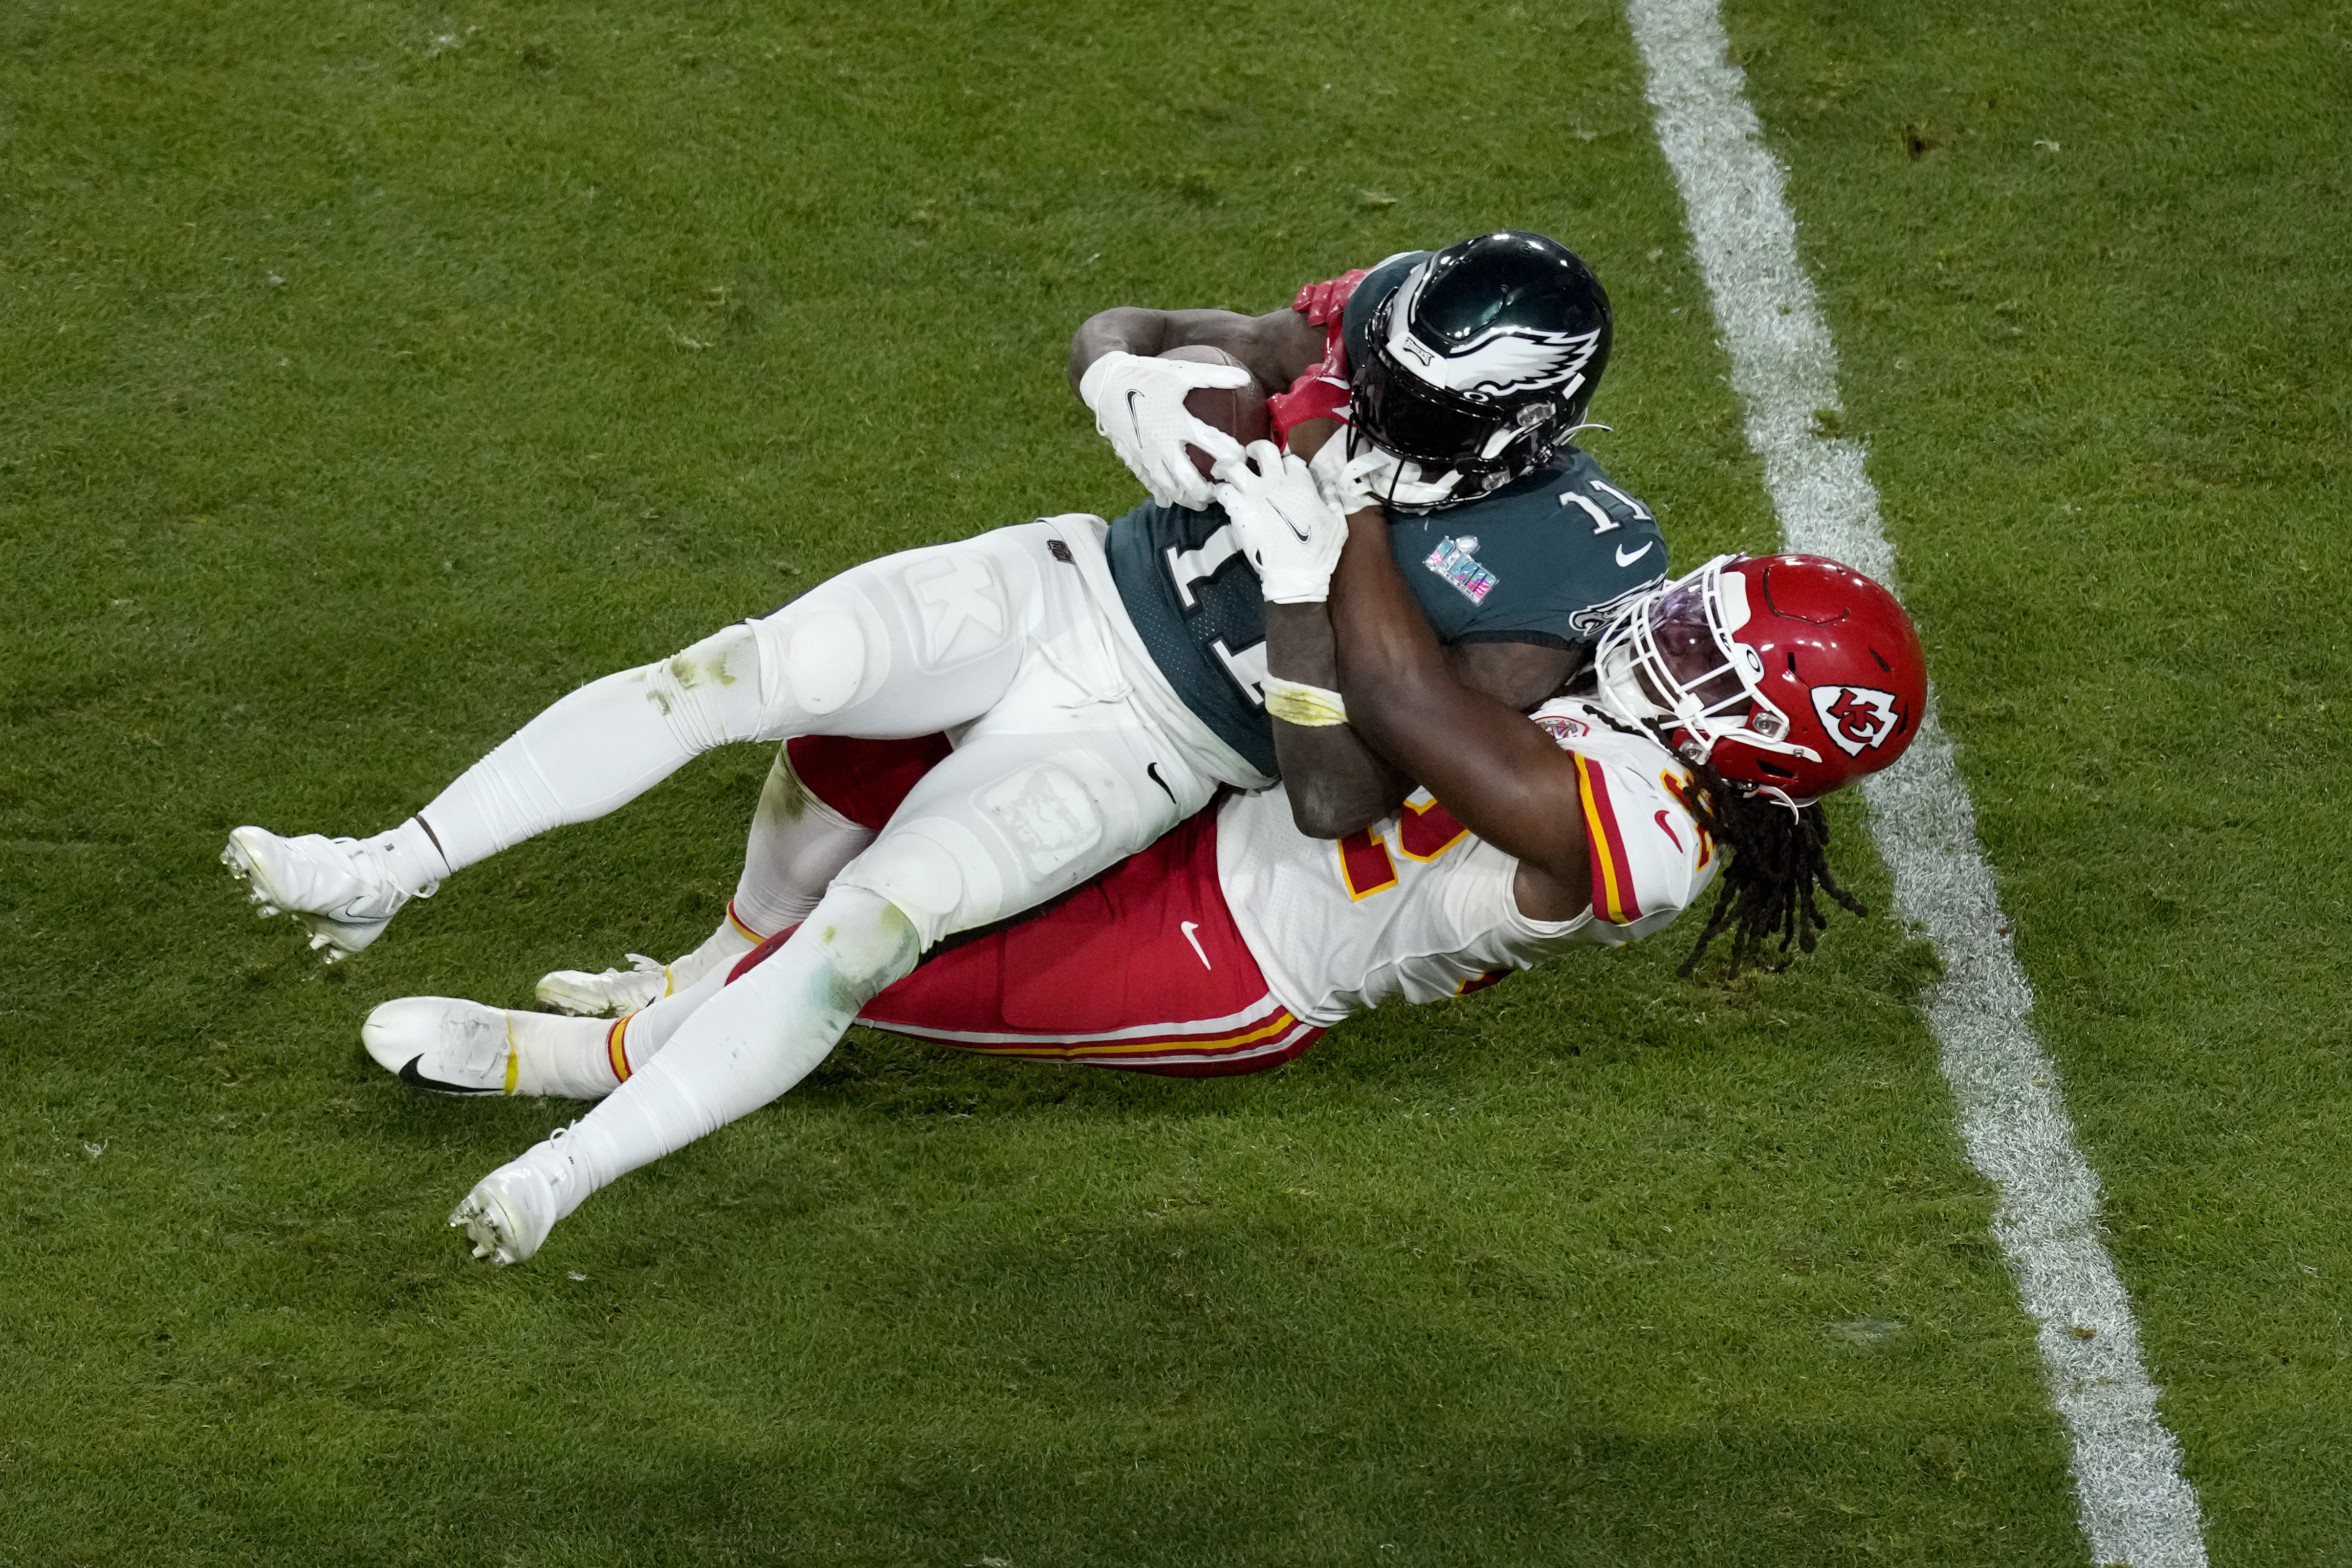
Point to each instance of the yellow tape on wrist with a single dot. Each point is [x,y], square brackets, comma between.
[1309,707]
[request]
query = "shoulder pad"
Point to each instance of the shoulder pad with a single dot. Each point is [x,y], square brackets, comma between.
[1648,853]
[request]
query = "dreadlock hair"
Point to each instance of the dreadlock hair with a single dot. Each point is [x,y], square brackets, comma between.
[1774,859]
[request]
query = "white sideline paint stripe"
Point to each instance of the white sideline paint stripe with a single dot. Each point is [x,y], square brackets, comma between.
[2134,1507]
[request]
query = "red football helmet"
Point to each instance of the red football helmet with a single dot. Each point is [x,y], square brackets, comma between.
[1793,673]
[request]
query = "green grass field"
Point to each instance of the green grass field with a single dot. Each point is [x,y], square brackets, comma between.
[377,373]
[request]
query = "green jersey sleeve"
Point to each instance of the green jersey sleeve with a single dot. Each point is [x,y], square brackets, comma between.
[1547,559]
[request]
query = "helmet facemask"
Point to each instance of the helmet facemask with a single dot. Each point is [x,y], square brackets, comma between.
[1405,486]
[1672,660]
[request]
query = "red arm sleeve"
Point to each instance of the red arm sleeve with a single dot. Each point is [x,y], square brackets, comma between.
[1322,392]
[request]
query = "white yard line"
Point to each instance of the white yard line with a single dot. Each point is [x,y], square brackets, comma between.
[2135,1506]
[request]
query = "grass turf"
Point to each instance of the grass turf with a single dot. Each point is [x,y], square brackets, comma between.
[2083,266]
[380,371]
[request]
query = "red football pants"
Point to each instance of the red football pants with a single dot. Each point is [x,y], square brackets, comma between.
[1142,968]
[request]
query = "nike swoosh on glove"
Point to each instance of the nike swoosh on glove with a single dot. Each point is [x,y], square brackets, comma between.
[1139,406]
[1290,534]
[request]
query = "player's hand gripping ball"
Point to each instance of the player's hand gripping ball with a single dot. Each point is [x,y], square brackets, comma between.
[1236,411]
[1171,417]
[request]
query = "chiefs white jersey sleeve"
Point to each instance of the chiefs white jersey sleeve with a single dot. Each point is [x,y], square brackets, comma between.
[1417,907]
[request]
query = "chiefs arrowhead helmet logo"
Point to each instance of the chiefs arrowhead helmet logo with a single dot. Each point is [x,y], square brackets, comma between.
[1857,716]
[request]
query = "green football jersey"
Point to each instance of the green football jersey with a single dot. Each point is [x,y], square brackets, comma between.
[1545,560]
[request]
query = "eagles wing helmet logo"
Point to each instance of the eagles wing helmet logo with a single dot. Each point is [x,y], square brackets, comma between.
[1856,716]
[1503,359]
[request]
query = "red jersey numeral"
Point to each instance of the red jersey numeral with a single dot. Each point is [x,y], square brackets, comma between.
[1423,833]
[1365,865]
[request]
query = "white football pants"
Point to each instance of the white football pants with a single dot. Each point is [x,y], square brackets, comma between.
[1071,752]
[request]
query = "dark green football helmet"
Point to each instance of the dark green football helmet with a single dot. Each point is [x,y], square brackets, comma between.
[1484,360]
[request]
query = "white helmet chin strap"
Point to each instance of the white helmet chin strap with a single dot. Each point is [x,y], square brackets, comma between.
[1394,480]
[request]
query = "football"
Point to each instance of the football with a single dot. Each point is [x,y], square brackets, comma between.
[1240,411]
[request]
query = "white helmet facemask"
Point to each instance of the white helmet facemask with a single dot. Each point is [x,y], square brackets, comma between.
[1676,646]
[1395,481]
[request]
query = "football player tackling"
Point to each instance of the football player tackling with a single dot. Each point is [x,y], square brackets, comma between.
[1093,710]
[1770,680]
[1477,362]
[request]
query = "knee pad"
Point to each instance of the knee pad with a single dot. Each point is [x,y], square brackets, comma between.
[928,869]
[825,661]
[710,694]
[865,942]
[815,659]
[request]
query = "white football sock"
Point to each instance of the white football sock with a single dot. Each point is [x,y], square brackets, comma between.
[639,1037]
[730,941]
[568,1058]
[602,746]
[410,858]
[747,1045]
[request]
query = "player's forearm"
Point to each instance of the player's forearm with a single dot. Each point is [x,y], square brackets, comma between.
[1122,328]
[1300,645]
[1494,771]
[1390,662]
[1337,785]
[1276,346]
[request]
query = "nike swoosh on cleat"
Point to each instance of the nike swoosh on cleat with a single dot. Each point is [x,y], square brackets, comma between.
[1627,558]
[410,1074]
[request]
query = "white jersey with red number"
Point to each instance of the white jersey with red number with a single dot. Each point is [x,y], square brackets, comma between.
[1416,907]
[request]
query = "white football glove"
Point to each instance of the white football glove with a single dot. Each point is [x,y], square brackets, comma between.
[1290,534]
[1375,476]
[1139,406]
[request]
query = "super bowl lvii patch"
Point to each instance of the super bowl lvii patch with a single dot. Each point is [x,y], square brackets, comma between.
[1457,566]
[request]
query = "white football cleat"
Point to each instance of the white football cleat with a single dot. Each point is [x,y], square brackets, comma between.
[337,889]
[510,1212]
[453,1047]
[582,994]
[444,1043]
